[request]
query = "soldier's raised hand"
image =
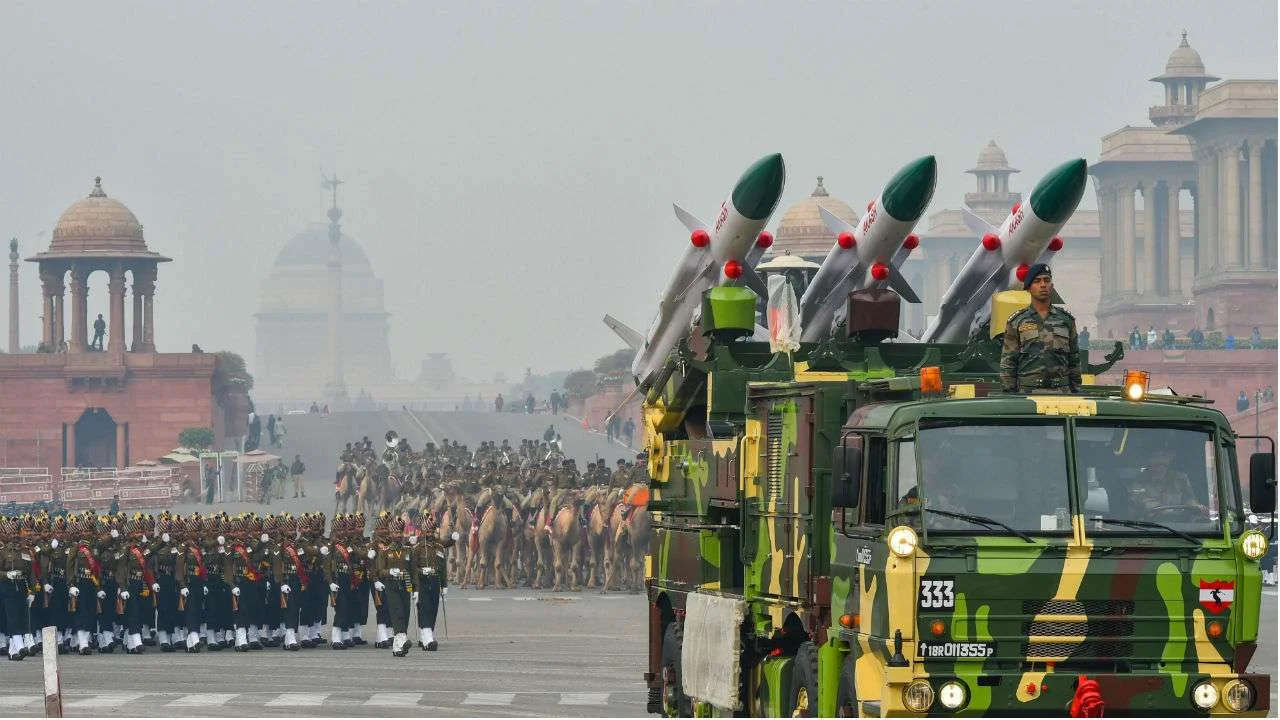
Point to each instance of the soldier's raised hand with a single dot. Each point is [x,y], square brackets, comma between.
[377,585]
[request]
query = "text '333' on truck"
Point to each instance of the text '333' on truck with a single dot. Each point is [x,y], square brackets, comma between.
[875,530]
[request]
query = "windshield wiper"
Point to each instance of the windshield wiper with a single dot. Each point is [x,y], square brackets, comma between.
[1147,525]
[979,520]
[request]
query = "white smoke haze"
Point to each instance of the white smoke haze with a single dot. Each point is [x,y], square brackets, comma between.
[510,168]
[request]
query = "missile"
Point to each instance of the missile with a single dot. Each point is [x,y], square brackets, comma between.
[720,253]
[870,253]
[1027,236]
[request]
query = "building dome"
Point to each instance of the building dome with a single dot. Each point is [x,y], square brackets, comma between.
[311,247]
[992,159]
[98,226]
[801,231]
[1184,62]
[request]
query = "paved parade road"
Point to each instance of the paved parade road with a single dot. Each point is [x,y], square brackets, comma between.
[509,653]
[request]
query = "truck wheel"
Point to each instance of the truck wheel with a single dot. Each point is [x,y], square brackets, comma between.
[804,682]
[674,701]
[846,695]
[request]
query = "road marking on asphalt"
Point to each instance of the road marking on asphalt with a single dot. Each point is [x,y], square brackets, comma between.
[16,701]
[480,599]
[584,698]
[203,700]
[489,698]
[391,699]
[104,700]
[298,700]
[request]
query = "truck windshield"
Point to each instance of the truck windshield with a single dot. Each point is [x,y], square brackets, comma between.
[1015,474]
[1166,475]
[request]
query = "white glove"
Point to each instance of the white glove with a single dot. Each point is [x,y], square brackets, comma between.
[333,587]
[377,585]
[206,589]
[54,543]
[444,592]
[263,537]
[395,572]
[324,549]
[428,571]
[302,551]
[455,536]
[155,587]
[12,574]
[144,539]
[415,597]
[284,589]
[372,553]
[115,533]
[30,599]
[48,588]
[73,591]
[185,592]
[165,537]
[102,594]
[124,594]
[222,540]
[235,591]
[413,539]
[268,588]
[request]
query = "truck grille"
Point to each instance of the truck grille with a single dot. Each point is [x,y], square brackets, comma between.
[1077,607]
[1093,628]
[1086,649]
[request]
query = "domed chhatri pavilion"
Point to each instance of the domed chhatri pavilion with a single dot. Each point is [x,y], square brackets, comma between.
[294,362]
[73,405]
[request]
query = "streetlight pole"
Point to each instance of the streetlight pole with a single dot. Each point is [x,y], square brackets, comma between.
[1257,417]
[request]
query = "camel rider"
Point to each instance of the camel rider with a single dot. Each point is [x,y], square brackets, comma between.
[430,572]
[621,476]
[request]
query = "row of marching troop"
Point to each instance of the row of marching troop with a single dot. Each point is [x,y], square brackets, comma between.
[214,582]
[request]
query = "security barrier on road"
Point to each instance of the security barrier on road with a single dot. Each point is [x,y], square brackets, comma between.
[25,485]
[138,487]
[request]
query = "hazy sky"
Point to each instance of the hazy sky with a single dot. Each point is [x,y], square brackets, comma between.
[511,167]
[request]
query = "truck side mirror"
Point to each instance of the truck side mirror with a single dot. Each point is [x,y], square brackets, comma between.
[846,472]
[1262,482]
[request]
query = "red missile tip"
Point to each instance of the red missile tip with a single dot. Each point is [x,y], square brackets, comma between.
[700,238]
[991,242]
[880,271]
[1055,244]
[765,241]
[733,269]
[846,240]
[912,242]
[1022,272]
[1016,207]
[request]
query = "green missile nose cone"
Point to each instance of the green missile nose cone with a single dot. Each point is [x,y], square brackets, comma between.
[757,192]
[910,190]
[1056,196]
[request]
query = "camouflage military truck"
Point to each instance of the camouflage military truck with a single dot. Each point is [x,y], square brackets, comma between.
[865,528]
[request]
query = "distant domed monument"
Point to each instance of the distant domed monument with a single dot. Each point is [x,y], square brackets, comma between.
[801,231]
[293,363]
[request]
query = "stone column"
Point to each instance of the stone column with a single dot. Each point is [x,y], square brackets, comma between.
[1105,231]
[1151,281]
[1173,254]
[136,345]
[71,444]
[120,445]
[1231,206]
[46,290]
[115,331]
[1256,259]
[1127,247]
[1205,221]
[13,296]
[79,309]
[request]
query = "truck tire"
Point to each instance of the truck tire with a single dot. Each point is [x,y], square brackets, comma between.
[804,682]
[673,696]
[846,694]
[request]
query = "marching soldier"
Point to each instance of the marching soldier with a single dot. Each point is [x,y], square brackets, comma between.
[217,600]
[134,583]
[15,564]
[246,593]
[427,560]
[291,575]
[364,551]
[315,608]
[166,550]
[393,570]
[190,573]
[340,576]
[84,577]
[271,630]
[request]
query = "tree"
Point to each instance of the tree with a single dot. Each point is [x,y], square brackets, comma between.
[580,383]
[618,363]
[196,438]
[230,373]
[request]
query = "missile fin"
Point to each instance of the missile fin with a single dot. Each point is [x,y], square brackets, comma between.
[901,286]
[689,220]
[752,280]
[633,339]
[834,224]
[975,222]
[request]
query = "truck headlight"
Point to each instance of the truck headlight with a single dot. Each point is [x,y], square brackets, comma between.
[918,696]
[1205,695]
[952,694]
[1253,544]
[903,541]
[1238,696]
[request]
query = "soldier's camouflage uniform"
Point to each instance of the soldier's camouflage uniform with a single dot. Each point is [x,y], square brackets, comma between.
[1040,353]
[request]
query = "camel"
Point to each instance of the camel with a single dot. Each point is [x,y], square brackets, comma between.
[345,487]
[460,514]
[566,541]
[630,539]
[491,540]
[599,502]
[537,539]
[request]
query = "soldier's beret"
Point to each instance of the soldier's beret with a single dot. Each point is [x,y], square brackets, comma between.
[1034,272]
